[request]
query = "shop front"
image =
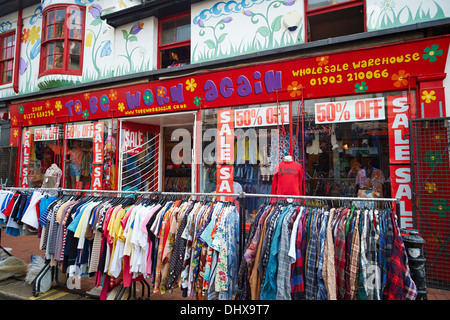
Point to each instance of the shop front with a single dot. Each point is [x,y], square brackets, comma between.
[331,125]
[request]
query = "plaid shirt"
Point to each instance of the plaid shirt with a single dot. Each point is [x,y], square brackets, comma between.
[297,268]
[382,249]
[353,265]
[399,284]
[321,289]
[362,293]
[311,259]
[373,281]
[340,257]
[265,250]
[284,262]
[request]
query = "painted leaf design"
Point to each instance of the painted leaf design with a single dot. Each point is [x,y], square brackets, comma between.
[276,23]
[96,21]
[222,37]
[210,44]
[264,31]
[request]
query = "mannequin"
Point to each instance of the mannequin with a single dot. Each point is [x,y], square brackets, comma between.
[52,177]
[288,178]
[76,157]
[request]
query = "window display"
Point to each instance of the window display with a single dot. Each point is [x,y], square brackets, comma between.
[90,155]
[81,156]
[346,146]
[259,143]
[341,144]
[42,147]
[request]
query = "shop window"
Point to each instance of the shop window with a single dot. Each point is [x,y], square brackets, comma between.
[257,151]
[334,18]
[44,147]
[62,40]
[7,45]
[345,158]
[174,41]
[83,155]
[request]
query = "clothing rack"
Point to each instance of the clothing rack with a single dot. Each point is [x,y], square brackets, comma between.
[240,197]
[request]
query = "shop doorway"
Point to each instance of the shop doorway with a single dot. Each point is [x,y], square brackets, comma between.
[156,153]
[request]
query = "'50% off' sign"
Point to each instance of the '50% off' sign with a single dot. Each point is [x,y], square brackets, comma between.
[261,117]
[350,111]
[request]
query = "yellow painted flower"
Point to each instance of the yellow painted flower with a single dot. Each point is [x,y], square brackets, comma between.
[430,187]
[121,107]
[58,105]
[428,96]
[34,35]
[88,42]
[16,133]
[113,94]
[87,96]
[191,85]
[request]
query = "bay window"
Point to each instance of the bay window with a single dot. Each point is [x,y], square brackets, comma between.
[62,40]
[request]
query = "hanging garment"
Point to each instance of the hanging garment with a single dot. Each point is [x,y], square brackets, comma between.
[338,253]
[288,179]
[184,243]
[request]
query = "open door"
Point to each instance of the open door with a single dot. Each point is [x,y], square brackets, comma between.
[139,157]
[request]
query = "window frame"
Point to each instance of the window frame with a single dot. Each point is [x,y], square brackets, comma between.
[331,8]
[171,45]
[2,37]
[65,38]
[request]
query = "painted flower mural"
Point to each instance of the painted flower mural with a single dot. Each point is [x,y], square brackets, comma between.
[428,96]
[430,187]
[148,97]
[191,85]
[265,28]
[30,37]
[322,61]
[131,36]
[433,158]
[295,89]
[400,79]
[440,207]
[58,105]
[198,101]
[34,34]
[361,87]
[431,53]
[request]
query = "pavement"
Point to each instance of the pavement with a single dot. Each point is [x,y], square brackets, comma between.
[16,288]
[24,247]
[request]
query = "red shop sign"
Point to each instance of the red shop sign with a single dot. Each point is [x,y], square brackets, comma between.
[26,154]
[97,156]
[225,151]
[362,71]
[399,112]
